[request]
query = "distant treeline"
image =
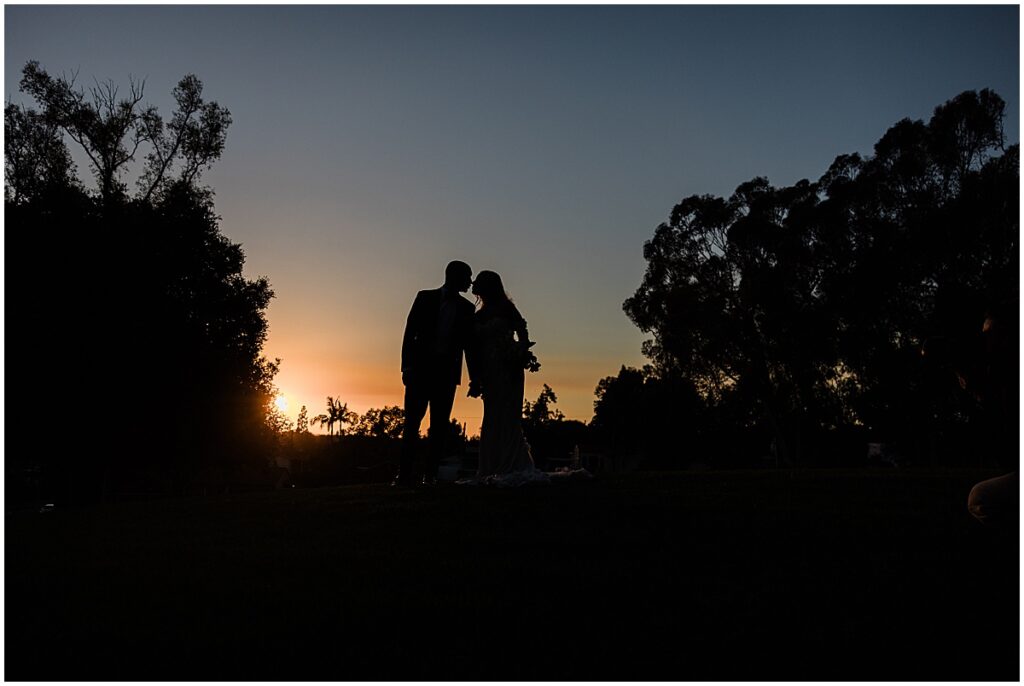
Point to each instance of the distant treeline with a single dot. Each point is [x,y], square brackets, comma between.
[365,448]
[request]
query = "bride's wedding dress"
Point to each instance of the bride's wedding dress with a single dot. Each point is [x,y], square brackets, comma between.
[505,458]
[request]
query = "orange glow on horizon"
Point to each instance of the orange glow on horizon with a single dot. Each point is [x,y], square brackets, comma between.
[354,356]
[365,386]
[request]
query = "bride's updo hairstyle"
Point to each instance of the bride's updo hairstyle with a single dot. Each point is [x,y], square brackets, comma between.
[494,301]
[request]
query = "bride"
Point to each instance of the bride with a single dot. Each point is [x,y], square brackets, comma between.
[502,351]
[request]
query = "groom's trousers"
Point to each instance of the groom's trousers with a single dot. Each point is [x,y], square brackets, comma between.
[418,396]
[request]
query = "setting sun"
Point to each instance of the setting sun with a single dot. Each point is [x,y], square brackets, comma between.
[281,403]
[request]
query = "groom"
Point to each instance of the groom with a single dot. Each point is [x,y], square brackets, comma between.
[439,330]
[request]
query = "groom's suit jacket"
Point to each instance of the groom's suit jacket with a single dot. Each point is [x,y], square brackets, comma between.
[437,334]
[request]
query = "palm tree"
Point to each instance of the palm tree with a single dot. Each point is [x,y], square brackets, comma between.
[320,419]
[337,413]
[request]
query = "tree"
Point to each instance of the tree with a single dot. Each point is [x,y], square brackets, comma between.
[145,300]
[194,137]
[729,295]
[804,308]
[278,422]
[620,417]
[110,130]
[36,160]
[386,422]
[549,433]
[337,413]
[540,412]
[639,413]
[302,421]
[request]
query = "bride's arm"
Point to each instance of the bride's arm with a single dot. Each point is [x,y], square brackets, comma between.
[529,359]
[519,325]
[522,335]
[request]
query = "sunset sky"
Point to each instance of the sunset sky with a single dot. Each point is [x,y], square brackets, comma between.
[373,144]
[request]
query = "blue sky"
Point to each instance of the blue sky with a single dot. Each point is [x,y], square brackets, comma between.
[372,144]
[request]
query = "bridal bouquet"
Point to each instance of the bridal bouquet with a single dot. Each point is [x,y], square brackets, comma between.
[505,347]
[529,359]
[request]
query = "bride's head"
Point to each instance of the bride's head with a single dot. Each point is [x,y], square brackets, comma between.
[488,288]
[493,300]
[489,291]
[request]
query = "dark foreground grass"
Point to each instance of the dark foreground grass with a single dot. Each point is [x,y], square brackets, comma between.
[672,576]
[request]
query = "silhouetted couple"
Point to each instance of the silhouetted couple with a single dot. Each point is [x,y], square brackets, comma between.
[442,327]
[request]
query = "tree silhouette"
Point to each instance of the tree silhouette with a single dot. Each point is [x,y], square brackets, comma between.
[195,136]
[620,415]
[386,422]
[337,413]
[111,130]
[540,412]
[36,160]
[638,413]
[805,308]
[550,434]
[278,421]
[146,300]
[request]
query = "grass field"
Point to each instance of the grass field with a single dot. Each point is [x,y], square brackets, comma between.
[752,576]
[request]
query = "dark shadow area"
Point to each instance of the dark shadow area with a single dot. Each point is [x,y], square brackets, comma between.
[744,575]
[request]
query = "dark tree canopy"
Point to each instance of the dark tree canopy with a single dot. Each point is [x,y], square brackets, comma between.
[111,130]
[808,307]
[542,410]
[135,304]
[36,161]
[337,414]
[386,422]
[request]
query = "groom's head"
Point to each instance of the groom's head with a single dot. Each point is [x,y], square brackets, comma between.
[458,275]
